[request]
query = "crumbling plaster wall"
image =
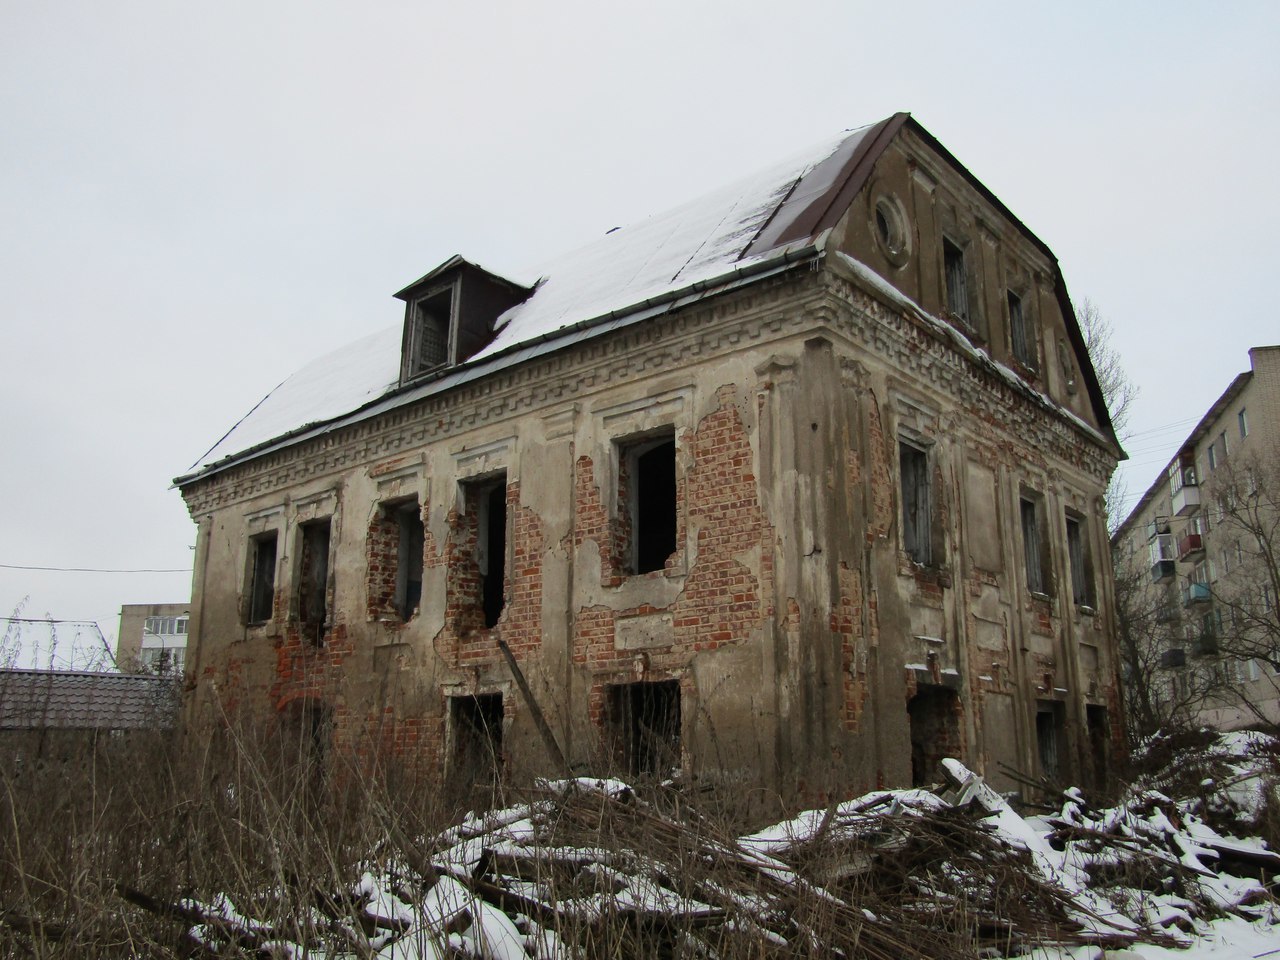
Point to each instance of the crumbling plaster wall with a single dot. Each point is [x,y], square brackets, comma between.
[788,613]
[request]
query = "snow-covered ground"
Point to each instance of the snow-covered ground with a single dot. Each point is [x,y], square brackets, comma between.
[1175,869]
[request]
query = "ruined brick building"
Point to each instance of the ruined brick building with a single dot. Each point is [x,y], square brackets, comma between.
[797,486]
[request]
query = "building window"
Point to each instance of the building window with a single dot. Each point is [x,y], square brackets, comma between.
[1243,420]
[166,626]
[476,723]
[1049,729]
[397,540]
[411,543]
[647,502]
[917,528]
[1034,544]
[957,279]
[1081,565]
[646,725]
[430,332]
[1020,334]
[313,577]
[262,577]
[485,503]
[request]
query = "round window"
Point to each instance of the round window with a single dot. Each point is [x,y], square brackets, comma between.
[890,227]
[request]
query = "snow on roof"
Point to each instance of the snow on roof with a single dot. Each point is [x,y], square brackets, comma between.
[327,387]
[702,240]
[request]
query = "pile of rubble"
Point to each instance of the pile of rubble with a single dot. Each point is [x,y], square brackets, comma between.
[593,869]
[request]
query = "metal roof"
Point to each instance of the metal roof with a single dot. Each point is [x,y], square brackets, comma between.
[75,700]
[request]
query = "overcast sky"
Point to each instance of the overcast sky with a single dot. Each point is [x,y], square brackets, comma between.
[197,199]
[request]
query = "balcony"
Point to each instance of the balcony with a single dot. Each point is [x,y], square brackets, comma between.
[1186,500]
[1162,571]
[1173,657]
[1158,526]
[1194,593]
[1190,547]
[1206,644]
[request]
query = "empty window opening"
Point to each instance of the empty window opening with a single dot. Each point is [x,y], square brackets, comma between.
[913,464]
[957,279]
[313,578]
[1021,340]
[1099,743]
[1081,565]
[1049,740]
[648,493]
[1034,545]
[476,722]
[646,721]
[262,577]
[306,741]
[432,316]
[934,713]
[485,504]
[411,541]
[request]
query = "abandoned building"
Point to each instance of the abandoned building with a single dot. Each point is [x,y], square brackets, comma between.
[796,487]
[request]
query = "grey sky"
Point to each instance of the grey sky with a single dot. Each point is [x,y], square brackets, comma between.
[196,199]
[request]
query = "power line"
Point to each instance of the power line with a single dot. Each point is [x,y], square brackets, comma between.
[18,566]
[88,623]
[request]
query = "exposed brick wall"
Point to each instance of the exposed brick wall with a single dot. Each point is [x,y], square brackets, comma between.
[382,561]
[469,642]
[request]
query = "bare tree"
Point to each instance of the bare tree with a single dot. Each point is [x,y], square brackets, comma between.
[1164,687]
[1243,621]
[1118,390]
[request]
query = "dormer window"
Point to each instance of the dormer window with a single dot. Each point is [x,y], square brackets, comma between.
[451,315]
[431,331]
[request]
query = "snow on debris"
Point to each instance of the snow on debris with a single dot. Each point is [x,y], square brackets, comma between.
[894,873]
[699,241]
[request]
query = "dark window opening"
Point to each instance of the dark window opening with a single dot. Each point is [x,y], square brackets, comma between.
[477,739]
[411,541]
[1033,545]
[648,492]
[432,318]
[262,578]
[957,280]
[917,529]
[492,550]
[934,713]
[1081,567]
[1099,744]
[313,578]
[1020,336]
[1049,740]
[306,742]
[646,720]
